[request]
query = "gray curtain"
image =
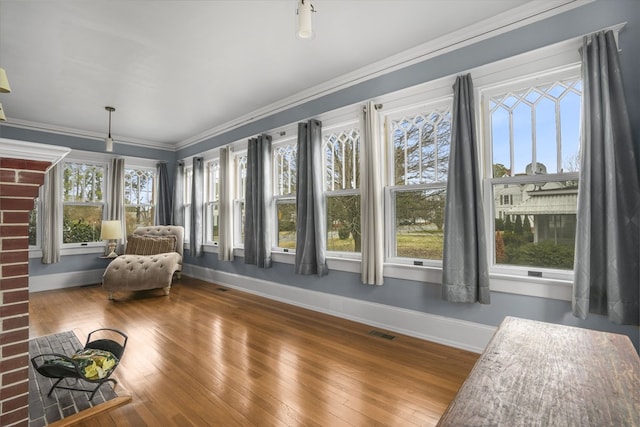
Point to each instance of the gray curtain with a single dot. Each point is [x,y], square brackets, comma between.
[258,203]
[116,200]
[178,195]
[311,224]
[163,206]
[607,250]
[225,209]
[372,208]
[465,273]
[197,205]
[51,220]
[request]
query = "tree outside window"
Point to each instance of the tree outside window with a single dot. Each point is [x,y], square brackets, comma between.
[83,202]
[139,200]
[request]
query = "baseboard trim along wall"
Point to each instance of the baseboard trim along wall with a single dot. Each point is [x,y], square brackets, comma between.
[47,282]
[456,333]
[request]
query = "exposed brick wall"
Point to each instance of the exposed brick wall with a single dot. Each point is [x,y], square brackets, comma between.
[19,183]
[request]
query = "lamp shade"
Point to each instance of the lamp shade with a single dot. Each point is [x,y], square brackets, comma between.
[108,144]
[4,82]
[111,230]
[305,31]
[2,116]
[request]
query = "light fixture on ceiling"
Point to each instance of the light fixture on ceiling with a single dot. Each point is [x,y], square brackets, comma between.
[4,88]
[305,9]
[109,141]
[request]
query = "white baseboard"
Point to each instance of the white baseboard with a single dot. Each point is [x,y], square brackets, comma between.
[461,334]
[48,282]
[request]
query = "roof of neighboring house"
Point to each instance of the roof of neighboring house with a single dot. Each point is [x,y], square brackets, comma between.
[546,204]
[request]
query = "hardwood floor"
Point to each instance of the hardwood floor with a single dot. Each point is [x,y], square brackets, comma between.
[208,356]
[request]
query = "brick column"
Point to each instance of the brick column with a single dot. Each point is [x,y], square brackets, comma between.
[19,183]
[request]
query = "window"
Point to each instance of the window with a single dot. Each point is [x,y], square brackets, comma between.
[534,132]
[418,141]
[238,205]
[83,202]
[188,182]
[341,166]
[284,172]
[139,201]
[212,204]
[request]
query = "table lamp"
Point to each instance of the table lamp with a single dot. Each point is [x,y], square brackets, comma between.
[111,231]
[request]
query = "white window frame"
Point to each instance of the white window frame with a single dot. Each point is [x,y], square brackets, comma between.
[212,198]
[429,104]
[154,189]
[348,123]
[281,138]
[186,204]
[239,197]
[105,198]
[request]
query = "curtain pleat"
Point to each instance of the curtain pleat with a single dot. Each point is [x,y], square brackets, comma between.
[465,273]
[197,205]
[178,195]
[606,256]
[163,206]
[372,208]
[51,220]
[258,203]
[116,199]
[311,224]
[225,208]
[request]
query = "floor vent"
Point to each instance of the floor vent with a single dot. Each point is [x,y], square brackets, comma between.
[381,335]
[222,289]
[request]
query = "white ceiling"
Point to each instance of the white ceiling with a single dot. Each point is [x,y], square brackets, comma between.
[177,69]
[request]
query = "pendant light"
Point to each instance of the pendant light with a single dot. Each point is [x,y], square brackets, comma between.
[109,141]
[305,8]
[4,88]
[4,82]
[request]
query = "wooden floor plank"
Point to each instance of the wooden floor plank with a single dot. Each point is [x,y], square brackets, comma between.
[202,356]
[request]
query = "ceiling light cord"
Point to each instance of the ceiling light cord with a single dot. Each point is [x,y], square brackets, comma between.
[109,141]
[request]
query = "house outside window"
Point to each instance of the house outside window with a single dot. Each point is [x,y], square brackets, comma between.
[284,180]
[212,202]
[533,129]
[341,166]
[83,201]
[419,141]
[139,197]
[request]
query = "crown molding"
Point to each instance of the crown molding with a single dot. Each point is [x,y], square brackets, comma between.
[499,24]
[14,149]
[77,133]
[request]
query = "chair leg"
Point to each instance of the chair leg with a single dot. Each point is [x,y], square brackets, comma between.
[111,296]
[54,386]
[95,390]
[167,289]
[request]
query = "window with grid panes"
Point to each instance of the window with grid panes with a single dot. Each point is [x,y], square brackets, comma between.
[188,178]
[83,201]
[239,202]
[212,204]
[419,142]
[139,200]
[534,132]
[341,166]
[284,172]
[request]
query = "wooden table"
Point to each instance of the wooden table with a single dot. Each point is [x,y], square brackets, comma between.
[540,374]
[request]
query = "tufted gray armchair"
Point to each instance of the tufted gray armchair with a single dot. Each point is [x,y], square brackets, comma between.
[152,256]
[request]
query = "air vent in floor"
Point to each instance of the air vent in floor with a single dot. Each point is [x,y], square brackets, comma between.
[381,335]
[222,289]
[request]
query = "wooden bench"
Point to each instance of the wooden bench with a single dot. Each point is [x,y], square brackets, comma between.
[540,374]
